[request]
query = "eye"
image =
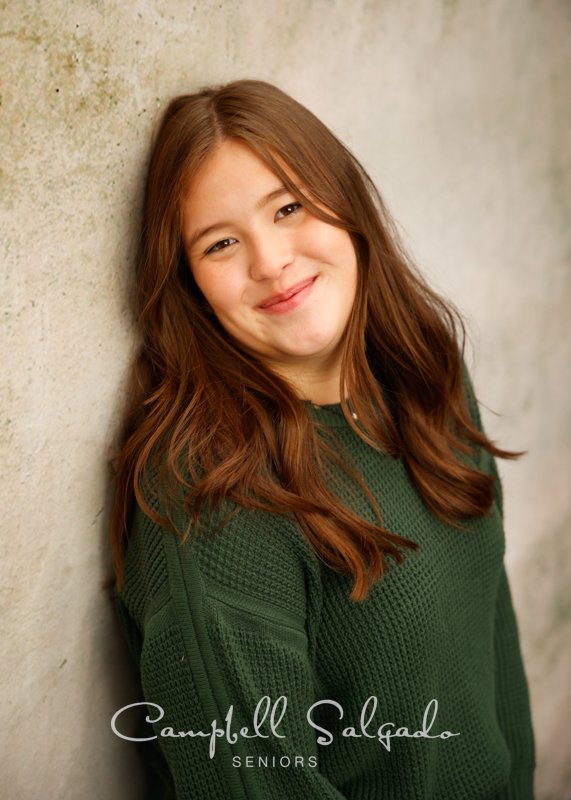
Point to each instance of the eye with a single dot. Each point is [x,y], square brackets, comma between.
[287,211]
[221,245]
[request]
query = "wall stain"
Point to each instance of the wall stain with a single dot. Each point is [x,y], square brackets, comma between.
[22,35]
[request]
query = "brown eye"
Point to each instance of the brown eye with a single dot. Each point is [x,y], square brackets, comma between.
[287,211]
[221,245]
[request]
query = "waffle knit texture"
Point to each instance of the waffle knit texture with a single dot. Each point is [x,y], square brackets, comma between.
[223,620]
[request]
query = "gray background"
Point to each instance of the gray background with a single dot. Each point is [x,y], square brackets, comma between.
[461,113]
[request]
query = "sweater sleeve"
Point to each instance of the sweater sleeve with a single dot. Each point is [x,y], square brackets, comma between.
[512,695]
[220,663]
[512,698]
[159,782]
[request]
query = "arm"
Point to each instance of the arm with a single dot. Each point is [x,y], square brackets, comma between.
[512,696]
[208,648]
[159,786]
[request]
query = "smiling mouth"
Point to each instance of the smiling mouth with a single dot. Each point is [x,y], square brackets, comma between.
[278,299]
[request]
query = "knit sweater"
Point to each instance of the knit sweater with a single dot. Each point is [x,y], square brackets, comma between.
[271,684]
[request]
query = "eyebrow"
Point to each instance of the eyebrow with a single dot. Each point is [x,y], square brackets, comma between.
[259,205]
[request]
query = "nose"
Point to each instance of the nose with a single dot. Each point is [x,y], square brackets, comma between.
[269,254]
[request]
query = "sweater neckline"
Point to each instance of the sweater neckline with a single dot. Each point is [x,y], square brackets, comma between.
[330,414]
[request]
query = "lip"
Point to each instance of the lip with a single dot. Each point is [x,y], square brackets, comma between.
[290,298]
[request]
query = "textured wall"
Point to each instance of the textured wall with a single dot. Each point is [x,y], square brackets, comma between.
[461,112]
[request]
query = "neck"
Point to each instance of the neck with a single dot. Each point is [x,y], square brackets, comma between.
[318,389]
[323,393]
[318,384]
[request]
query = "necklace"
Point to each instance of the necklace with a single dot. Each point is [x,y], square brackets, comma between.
[332,405]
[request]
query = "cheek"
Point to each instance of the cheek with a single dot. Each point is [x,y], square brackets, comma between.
[221,289]
[317,237]
[328,242]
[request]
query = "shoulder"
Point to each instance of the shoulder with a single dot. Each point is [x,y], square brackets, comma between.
[257,563]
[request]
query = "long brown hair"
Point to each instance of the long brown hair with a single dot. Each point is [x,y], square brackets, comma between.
[213,424]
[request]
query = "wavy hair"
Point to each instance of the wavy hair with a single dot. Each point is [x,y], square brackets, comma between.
[213,424]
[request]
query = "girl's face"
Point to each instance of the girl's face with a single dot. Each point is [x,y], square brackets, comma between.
[280,281]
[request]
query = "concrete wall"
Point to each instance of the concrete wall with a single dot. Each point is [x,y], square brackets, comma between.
[461,112]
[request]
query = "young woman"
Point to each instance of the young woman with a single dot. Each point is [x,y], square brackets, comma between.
[307,530]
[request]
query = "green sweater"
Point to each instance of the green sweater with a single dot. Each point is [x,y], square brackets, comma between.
[220,623]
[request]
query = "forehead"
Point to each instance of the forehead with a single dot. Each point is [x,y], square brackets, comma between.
[232,164]
[228,187]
